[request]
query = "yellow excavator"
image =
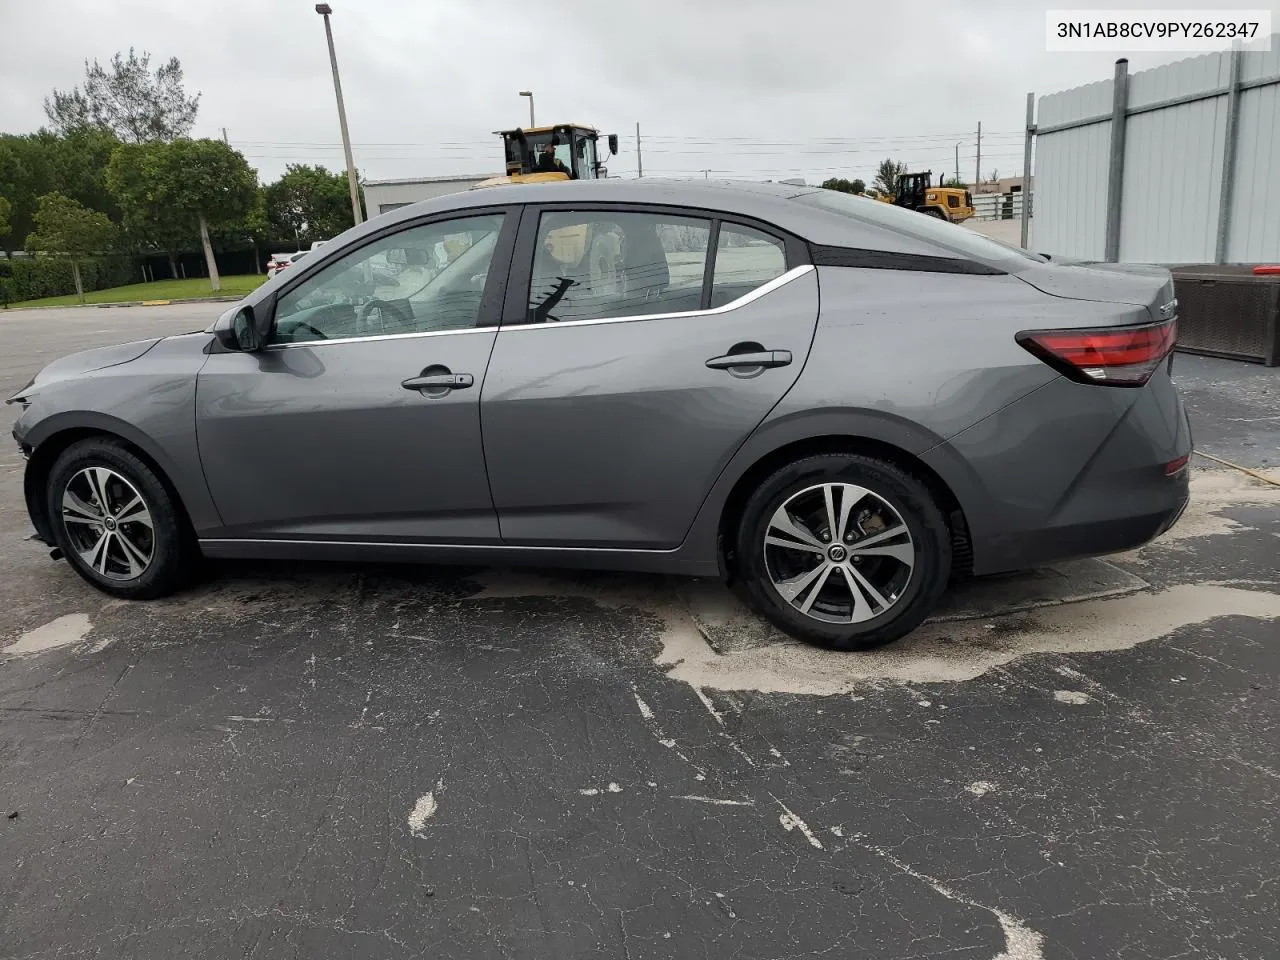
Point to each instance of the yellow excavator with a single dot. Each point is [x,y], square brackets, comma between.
[563,151]
[915,191]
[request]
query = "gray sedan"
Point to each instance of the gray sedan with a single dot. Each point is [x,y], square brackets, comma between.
[835,404]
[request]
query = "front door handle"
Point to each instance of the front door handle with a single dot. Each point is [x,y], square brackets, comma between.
[438,381]
[758,358]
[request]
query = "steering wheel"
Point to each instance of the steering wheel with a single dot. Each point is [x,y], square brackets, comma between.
[364,317]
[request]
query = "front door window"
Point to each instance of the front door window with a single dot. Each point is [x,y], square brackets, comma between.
[424,279]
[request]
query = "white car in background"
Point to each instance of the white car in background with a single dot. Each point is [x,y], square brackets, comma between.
[280,261]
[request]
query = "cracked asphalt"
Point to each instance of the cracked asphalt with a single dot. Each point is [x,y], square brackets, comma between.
[323,761]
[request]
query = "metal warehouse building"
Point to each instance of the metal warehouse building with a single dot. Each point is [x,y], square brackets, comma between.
[1179,164]
[381,196]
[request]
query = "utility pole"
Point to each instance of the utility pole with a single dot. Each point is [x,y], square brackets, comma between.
[1115,165]
[529,94]
[224,137]
[1028,140]
[324,10]
[977,167]
[958,163]
[706,174]
[639,158]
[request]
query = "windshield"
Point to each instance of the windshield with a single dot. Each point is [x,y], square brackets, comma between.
[961,240]
[560,148]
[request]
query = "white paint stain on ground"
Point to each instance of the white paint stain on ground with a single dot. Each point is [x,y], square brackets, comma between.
[1020,941]
[718,801]
[62,632]
[711,707]
[937,652]
[645,711]
[596,791]
[1074,697]
[980,788]
[790,822]
[951,652]
[424,810]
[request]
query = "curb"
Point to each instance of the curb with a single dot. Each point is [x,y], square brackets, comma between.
[126,303]
[161,303]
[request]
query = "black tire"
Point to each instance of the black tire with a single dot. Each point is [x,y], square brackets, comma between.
[173,552]
[933,212]
[892,487]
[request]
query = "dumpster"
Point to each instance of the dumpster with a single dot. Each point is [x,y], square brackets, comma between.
[1229,311]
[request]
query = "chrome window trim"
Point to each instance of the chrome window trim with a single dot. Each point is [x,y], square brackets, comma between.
[380,336]
[776,283]
[764,289]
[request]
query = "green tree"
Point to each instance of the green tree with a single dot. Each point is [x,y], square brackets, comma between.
[131,176]
[67,228]
[253,227]
[5,209]
[127,98]
[189,184]
[35,164]
[953,182]
[887,174]
[845,186]
[309,203]
[24,176]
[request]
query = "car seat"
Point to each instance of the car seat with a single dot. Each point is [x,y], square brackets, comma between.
[644,262]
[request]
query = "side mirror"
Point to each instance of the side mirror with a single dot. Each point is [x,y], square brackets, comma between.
[244,331]
[613,144]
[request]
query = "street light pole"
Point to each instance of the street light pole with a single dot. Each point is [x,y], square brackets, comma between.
[324,10]
[529,94]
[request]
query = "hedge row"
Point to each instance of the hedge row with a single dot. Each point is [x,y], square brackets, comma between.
[30,278]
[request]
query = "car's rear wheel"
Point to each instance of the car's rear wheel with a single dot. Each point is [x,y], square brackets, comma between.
[844,551]
[115,522]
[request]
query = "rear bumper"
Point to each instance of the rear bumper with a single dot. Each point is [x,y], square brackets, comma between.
[1095,538]
[1073,471]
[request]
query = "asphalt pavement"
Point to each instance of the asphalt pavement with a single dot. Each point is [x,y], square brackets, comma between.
[338,761]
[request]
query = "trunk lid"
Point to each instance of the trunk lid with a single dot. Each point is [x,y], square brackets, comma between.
[1139,284]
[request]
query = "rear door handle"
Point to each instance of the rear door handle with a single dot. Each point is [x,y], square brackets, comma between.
[439,381]
[759,358]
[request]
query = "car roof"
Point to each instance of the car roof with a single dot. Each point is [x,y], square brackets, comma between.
[727,195]
[766,201]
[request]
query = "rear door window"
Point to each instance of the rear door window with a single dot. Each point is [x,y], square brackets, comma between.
[591,265]
[746,258]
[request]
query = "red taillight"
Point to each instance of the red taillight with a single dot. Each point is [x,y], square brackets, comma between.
[1114,356]
[1175,467]
[1266,270]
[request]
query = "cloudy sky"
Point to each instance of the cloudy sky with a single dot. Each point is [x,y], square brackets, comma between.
[742,88]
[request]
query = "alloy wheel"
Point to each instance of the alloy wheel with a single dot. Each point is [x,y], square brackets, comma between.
[839,553]
[108,523]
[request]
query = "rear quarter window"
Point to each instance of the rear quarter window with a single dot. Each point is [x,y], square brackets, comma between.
[960,241]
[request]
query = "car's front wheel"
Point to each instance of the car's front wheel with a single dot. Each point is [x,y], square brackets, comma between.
[844,551]
[115,522]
